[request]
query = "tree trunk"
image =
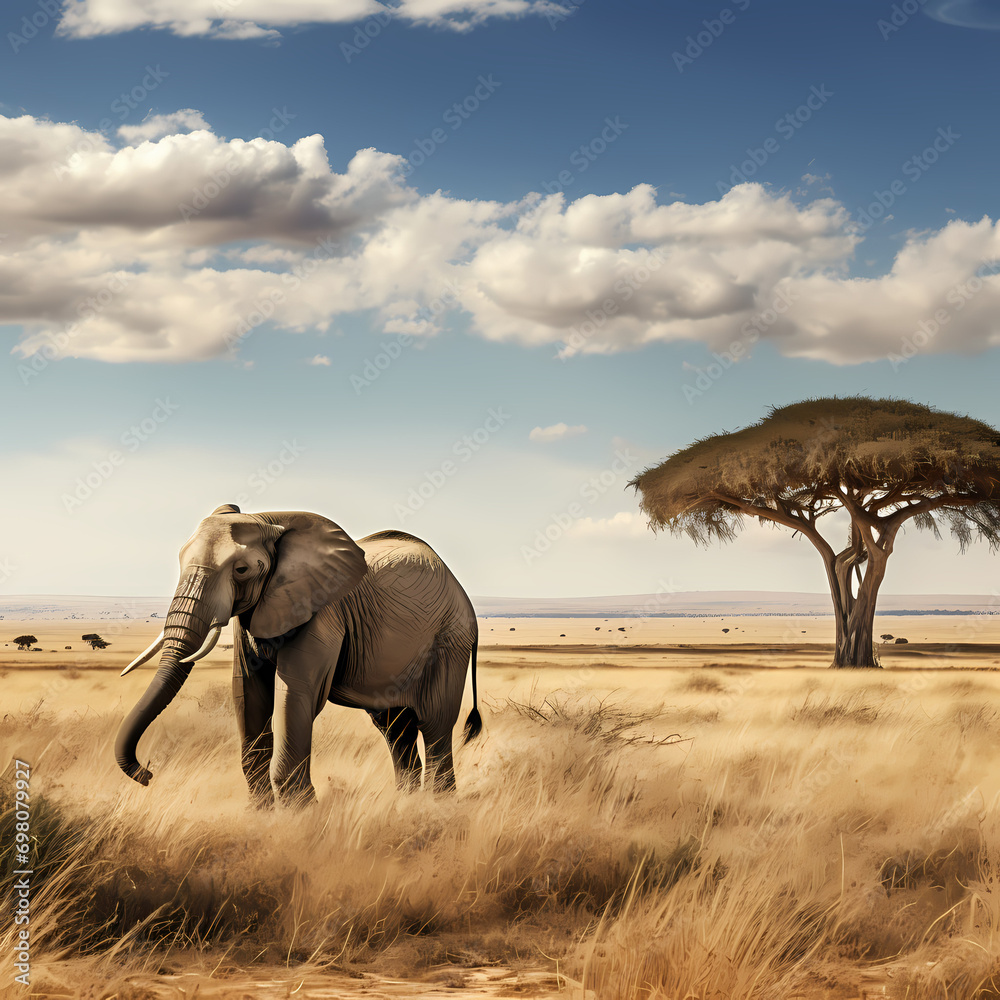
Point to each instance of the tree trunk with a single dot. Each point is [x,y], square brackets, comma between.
[855,642]
[839,568]
[841,604]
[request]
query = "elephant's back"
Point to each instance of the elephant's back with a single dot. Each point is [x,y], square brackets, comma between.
[391,535]
[406,567]
[385,549]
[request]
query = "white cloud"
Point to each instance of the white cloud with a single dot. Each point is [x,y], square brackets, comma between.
[154,126]
[624,524]
[965,14]
[174,248]
[189,189]
[556,432]
[933,275]
[256,19]
[820,180]
[319,359]
[238,31]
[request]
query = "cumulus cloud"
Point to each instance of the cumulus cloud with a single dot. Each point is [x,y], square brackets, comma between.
[942,294]
[154,126]
[319,359]
[186,189]
[625,524]
[180,246]
[261,19]
[556,432]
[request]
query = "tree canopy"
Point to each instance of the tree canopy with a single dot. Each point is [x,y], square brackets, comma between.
[884,461]
[25,641]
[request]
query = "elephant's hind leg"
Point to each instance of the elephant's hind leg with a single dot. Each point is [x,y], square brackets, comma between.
[399,727]
[438,713]
[253,696]
[440,770]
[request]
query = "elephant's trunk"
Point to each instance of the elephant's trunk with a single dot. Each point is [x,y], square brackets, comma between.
[183,633]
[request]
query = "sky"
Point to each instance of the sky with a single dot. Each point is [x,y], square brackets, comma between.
[466,267]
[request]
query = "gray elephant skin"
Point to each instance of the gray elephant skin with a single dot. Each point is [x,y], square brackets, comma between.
[379,624]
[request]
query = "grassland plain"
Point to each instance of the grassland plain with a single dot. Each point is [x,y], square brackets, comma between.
[660,812]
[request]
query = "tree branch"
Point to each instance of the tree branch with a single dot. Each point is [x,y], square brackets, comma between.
[863,520]
[893,521]
[896,495]
[785,517]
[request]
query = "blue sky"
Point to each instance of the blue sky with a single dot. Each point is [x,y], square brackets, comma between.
[537,257]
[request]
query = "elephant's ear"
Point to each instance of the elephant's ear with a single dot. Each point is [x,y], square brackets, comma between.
[316,563]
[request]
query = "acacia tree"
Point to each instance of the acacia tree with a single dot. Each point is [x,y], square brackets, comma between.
[885,462]
[25,641]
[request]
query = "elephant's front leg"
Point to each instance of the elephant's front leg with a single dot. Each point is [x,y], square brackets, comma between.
[253,697]
[301,688]
[292,727]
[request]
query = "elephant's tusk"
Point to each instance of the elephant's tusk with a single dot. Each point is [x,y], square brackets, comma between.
[147,654]
[206,647]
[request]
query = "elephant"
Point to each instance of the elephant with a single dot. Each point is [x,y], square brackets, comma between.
[379,624]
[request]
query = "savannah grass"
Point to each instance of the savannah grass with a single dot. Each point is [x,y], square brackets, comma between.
[763,834]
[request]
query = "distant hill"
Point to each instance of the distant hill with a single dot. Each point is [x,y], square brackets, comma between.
[690,604]
[723,603]
[43,607]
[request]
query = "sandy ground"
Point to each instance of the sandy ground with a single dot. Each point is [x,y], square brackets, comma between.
[520,654]
[129,636]
[513,651]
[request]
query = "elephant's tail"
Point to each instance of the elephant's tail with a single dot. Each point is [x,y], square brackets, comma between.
[474,723]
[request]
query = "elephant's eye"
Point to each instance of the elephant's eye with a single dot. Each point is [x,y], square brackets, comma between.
[240,570]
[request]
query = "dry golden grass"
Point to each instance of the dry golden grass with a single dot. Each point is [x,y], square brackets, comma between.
[672,833]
